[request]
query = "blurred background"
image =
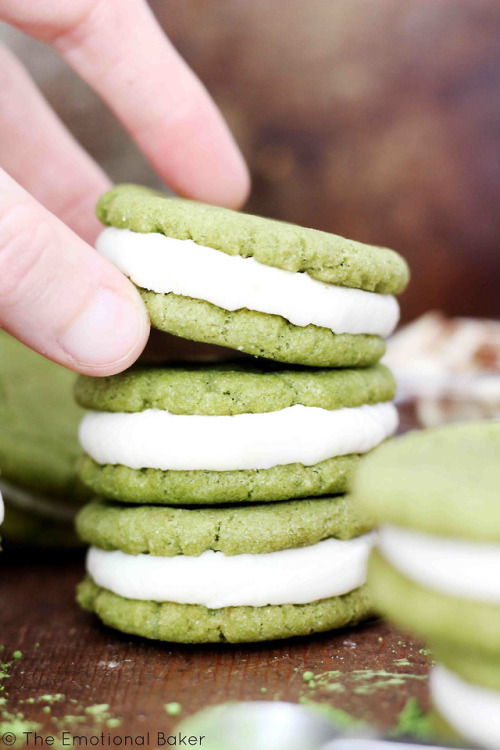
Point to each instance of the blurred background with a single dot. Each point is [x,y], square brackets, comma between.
[376,119]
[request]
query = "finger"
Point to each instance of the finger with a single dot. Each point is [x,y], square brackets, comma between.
[59,296]
[38,152]
[121,51]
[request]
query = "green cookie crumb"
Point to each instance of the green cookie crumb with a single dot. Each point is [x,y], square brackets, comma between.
[51,699]
[173,709]
[97,709]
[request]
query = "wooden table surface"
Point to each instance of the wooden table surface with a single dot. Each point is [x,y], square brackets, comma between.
[70,663]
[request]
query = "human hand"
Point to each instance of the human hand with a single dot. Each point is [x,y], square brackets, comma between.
[56,293]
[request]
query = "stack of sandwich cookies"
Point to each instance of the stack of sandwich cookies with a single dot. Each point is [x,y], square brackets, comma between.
[437,568]
[205,435]
[222,512]
[253,570]
[251,573]
[259,286]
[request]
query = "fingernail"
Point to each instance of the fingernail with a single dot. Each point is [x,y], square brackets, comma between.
[106,331]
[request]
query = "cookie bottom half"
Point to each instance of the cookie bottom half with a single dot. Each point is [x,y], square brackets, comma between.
[432,615]
[193,623]
[260,334]
[470,665]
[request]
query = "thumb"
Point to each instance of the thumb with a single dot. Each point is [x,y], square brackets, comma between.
[59,296]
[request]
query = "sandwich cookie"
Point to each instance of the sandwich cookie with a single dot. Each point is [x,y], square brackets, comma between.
[436,569]
[259,286]
[202,435]
[252,573]
[38,447]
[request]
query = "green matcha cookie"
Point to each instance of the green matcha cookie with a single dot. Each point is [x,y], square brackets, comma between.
[216,390]
[192,623]
[287,482]
[251,529]
[324,257]
[38,447]
[472,666]
[261,335]
[226,390]
[444,481]
[432,615]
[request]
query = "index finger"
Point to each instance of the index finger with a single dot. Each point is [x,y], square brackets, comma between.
[120,50]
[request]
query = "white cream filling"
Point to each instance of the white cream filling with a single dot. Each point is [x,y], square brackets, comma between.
[469,570]
[157,439]
[1,509]
[472,710]
[293,576]
[163,264]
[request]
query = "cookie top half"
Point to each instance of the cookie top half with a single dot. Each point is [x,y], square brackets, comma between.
[444,481]
[255,529]
[232,389]
[323,256]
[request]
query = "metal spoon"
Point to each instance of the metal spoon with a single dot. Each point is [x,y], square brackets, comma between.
[275,725]
[350,743]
